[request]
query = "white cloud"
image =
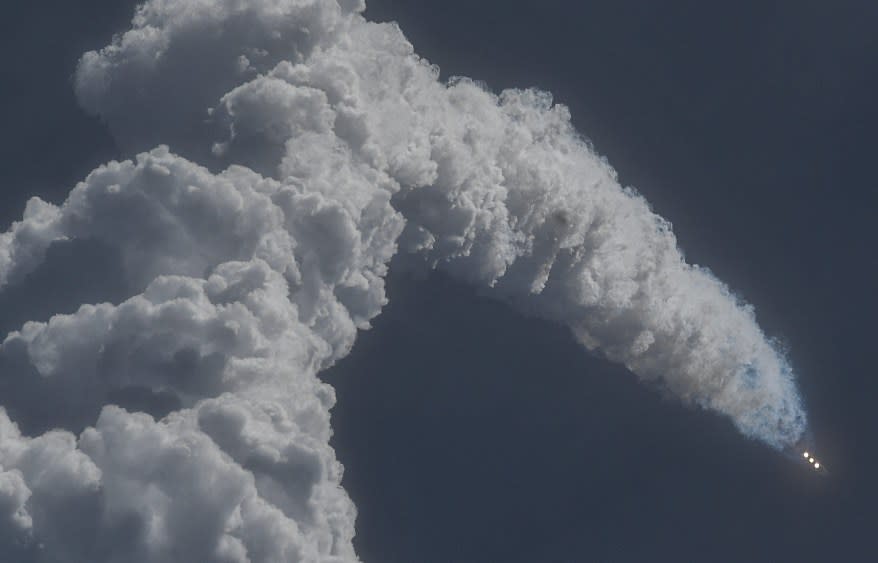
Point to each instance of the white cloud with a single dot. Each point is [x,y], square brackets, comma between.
[340,147]
[250,286]
[166,491]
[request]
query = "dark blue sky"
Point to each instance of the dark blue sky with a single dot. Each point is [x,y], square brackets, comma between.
[470,433]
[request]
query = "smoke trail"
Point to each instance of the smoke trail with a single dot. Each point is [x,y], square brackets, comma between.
[339,148]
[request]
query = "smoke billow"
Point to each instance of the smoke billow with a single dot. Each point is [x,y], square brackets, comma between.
[303,147]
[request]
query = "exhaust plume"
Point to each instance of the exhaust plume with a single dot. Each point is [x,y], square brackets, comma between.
[303,147]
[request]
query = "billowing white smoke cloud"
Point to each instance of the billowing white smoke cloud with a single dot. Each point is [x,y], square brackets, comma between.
[339,148]
[251,287]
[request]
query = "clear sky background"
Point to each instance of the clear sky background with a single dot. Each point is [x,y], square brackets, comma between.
[470,433]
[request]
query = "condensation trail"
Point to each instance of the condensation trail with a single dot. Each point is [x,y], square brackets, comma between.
[306,147]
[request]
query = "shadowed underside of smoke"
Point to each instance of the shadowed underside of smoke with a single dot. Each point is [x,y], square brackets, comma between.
[339,148]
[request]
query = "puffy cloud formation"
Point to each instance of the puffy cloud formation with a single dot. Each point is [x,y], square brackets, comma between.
[194,486]
[327,147]
[251,286]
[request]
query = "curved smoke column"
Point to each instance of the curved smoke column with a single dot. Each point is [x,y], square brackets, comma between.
[326,146]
